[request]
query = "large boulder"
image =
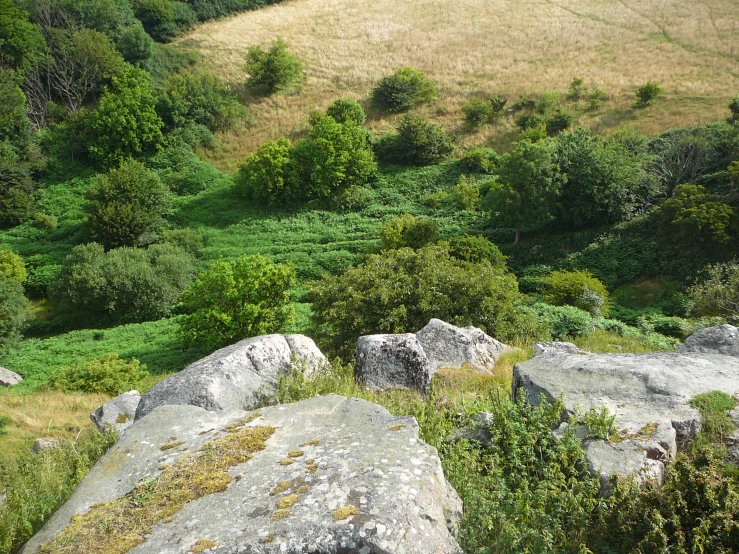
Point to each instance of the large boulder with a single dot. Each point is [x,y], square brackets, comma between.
[447,346]
[117,413]
[649,395]
[324,475]
[236,377]
[713,340]
[386,362]
[9,378]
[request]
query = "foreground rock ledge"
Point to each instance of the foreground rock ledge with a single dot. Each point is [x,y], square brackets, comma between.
[361,480]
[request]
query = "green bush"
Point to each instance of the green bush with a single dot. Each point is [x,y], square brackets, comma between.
[579,289]
[479,160]
[12,266]
[262,177]
[476,249]
[164,19]
[125,284]
[718,293]
[18,195]
[127,205]
[229,302]
[346,109]
[399,291]
[22,41]
[408,231]
[466,194]
[14,312]
[647,94]
[15,127]
[418,142]
[560,120]
[181,170]
[274,70]
[188,240]
[734,109]
[108,375]
[479,111]
[563,322]
[402,90]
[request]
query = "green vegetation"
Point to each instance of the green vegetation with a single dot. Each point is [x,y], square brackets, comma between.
[403,90]
[719,293]
[109,375]
[579,289]
[647,94]
[274,70]
[417,142]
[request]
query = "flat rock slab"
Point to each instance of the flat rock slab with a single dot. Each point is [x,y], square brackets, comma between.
[237,377]
[9,378]
[385,362]
[117,413]
[360,479]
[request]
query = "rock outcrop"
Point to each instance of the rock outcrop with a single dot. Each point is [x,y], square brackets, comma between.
[9,378]
[324,475]
[117,413]
[236,377]
[649,395]
[45,443]
[713,340]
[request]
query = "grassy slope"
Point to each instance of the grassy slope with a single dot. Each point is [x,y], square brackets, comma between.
[474,47]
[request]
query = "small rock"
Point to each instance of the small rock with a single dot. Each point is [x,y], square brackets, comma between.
[9,378]
[556,348]
[625,459]
[117,413]
[392,361]
[45,443]
[723,339]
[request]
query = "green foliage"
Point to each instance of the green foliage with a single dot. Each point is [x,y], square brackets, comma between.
[125,284]
[418,142]
[14,124]
[479,111]
[576,91]
[718,293]
[402,90]
[35,485]
[188,240]
[135,44]
[18,195]
[399,291]
[600,423]
[127,204]
[716,424]
[12,266]
[181,170]
[560,120]
[14,312]
[563,322]
[233,301]
[476,249]
[408,231]
[164,19]
[262,177]
[466,194]
[346,109]
[125,122]
[479,160]
[108,375]
[21,42]
[734,109]
[647,94]
[274,70]
[579,289]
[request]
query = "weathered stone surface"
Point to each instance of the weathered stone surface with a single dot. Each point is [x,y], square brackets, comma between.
[556,348]
[9,378]
[235,377]
[649,394]
[447,346]
[626,458]
[361,457]
[392,361]
[713,340]
[45,443]
[117,413]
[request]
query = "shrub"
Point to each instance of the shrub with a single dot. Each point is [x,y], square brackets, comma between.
[346,109]
[596,98]
[479,160]
[125,284]
[577,89]
[164,19]
[401,290]
[126,204]
[14,312]
[560,120]
[734,109]
[466,194]
[579,289]
[188,240]
[274,70]
[530,121]
[181,170]
[262,177]
[563,322]
[718,294]
[647,94]
[12,266]
[478,112]
[476,249]
[232,301]
[18,195]
[418,142]
[108,375]
[402,90]
[408,231]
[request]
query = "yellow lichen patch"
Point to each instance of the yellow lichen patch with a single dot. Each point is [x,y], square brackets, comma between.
[310,466]
[206,431]
[122,418]
[269,539]
[345,512]
[397,427]
[163,467]
[296,453]
[287,462]
[118,526]
[314,442]
[288,501]
[649,429]
[202,545]
[280,514]
[171,445]
[241,422]
[302,489]
[282,486]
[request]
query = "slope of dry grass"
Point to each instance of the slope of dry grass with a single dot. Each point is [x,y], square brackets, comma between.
[504,47]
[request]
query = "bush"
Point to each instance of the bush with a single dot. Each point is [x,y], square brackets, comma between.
[188,240]
[466,194]
[108,375]
[125,284]
[164,19]
[126,205]
[402,90]
[560,120]
[647,94]
[418,142]
[479,160]
[18,195]
[181,170]
[408,231]
[718,294]
[399,291]
[476,249]
[579,289]
[12,266]
[274,70]
[262,177]
[563,322]
[346,109]
[14,312]
[478,111]
[734,109]
[229,302]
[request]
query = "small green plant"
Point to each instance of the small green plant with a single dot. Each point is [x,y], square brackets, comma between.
[418,142]
[479,111]
[346,109]
[404,89]
[273,70]
[408,231]
[466,194]
[560,120]
[647,94]
[579,289]
[734,109]
[600,423]
[715,420]
[576,90]
[479,160]
[108,375]
[596,98]
[4,422]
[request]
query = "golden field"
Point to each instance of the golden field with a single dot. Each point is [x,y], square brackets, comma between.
[473,47]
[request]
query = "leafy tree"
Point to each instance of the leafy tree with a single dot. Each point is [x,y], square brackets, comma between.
[476,249]
[262,177]
[408,231]
[479,160]
[125,204]
[107,375]
[18,195]
[479,111]
[274,70]
[164,19]
[734,109]
[12,265]
[135,44]
[14,312]
[647,94]
[402,90]
[418,142]
[15,129]
[21,42]
[401,290]
[579,289]
[231,301]
[346,109]
[125,284]
[528,186]
[125,122]
[718,294]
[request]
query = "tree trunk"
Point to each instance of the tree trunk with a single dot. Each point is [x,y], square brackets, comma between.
[518,236]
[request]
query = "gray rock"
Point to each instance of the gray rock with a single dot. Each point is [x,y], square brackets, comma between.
[625,459]
[713,340]
[447,346]
[236,377]
[556,348]
[117,413]
[355,453]
[386,362]
[9,378]
[45,443]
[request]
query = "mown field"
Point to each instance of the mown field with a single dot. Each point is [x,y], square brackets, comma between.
[484,47]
